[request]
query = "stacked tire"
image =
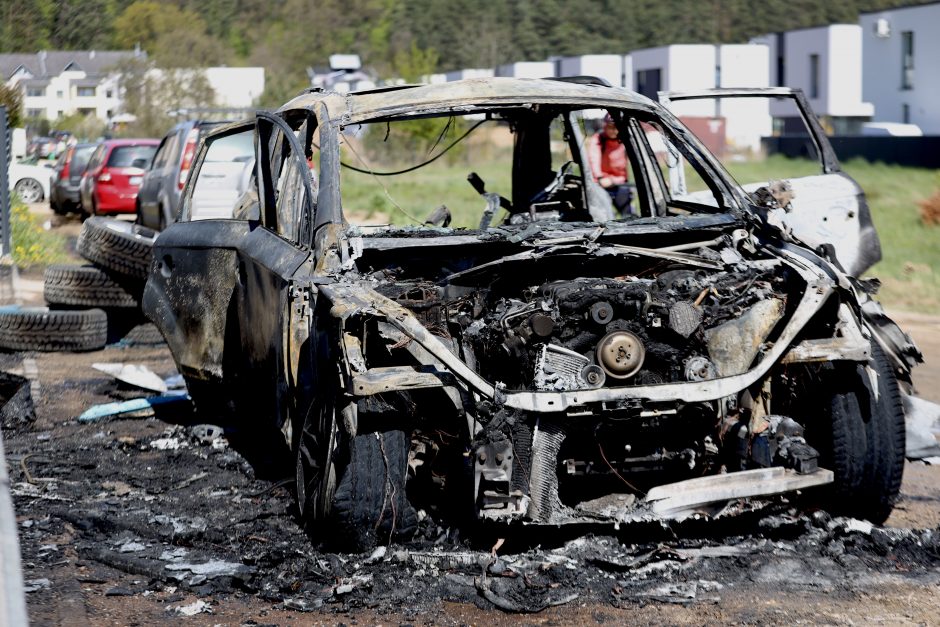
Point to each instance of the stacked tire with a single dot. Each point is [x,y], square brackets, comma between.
[85,301]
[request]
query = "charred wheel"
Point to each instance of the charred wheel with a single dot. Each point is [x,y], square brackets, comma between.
[370,502]
[866,450]
[316,438]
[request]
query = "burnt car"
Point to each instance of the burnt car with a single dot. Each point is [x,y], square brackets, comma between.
[552,363]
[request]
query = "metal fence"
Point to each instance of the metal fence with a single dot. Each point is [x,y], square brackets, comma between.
[5,156]
[921,152]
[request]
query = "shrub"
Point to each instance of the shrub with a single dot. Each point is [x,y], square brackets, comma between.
[930,209]
[32,244]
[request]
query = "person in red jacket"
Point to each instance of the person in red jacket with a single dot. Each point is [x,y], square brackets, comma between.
[608,157]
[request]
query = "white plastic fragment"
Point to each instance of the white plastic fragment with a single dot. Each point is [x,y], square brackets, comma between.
[166,444]
[196,607]
[134,374]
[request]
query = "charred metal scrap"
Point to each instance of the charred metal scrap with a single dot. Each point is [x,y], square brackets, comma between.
[559,366]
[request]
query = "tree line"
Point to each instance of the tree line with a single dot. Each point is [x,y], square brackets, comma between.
[287,37]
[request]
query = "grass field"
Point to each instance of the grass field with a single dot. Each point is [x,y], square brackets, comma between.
[420,192]
[910,269]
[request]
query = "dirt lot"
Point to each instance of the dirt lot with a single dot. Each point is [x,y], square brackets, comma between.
[143,520]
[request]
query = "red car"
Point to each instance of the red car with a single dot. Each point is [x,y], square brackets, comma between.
[112,178]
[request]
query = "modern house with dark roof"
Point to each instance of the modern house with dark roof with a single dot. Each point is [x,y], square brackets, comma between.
[900,50]
[57,83]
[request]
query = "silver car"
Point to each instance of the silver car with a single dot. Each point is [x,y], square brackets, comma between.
[228,168]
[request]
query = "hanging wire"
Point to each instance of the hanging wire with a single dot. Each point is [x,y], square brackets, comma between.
[368,170]
[422,164]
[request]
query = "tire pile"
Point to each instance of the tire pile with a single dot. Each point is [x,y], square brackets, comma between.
[82,298]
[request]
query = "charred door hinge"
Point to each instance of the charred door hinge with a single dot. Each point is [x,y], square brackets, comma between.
[302,298]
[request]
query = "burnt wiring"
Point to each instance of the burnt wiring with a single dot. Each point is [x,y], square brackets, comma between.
[423,163]
[619,476]
[389,487]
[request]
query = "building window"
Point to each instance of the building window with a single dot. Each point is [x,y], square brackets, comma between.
[35,92]
[34,113]
[60,94]
[649,82]
[907,59]
[906,113]
[109,93]
[781,65]
[86,92]
[814,76]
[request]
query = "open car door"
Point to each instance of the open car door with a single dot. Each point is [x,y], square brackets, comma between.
[828,206]
[226,333]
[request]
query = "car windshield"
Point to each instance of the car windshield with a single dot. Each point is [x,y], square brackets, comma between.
[513,165]
[80,158]
[125,156]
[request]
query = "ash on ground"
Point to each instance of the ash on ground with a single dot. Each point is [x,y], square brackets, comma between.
[172,514]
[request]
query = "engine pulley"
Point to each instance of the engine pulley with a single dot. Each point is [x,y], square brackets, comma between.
[621,354]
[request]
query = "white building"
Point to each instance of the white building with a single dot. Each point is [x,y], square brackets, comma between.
[344,74]
[900,76]
[527,69]
[680,67]
[693,67]
[746,119]
[236,87]
[826,63]
[610,67]
[459,75]
[59,83]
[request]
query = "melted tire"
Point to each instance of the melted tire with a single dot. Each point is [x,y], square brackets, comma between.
[53,330]
[868,440]
[370,503]
[87,286]
[118,246]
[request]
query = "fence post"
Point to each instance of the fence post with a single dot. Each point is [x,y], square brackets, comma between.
[5,154]
[8,275]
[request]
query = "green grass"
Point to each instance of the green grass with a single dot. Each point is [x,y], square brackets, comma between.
[34,246]
[422,191]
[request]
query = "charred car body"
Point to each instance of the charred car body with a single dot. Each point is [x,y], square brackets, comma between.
[554,364]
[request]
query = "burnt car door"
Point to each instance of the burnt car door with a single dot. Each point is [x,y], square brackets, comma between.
[269,258]
[827,208]
[217,288]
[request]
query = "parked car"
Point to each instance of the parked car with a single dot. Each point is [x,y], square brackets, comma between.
[42,147]
[30,182]
[113,175]
[551,365]
[67,177]
[160,191]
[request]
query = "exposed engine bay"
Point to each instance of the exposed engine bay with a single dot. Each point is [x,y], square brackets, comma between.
[537,326]
[588,333]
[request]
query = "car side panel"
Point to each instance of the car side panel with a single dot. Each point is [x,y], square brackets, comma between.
[191,312]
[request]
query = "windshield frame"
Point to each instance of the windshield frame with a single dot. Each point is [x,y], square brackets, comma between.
[331,210]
